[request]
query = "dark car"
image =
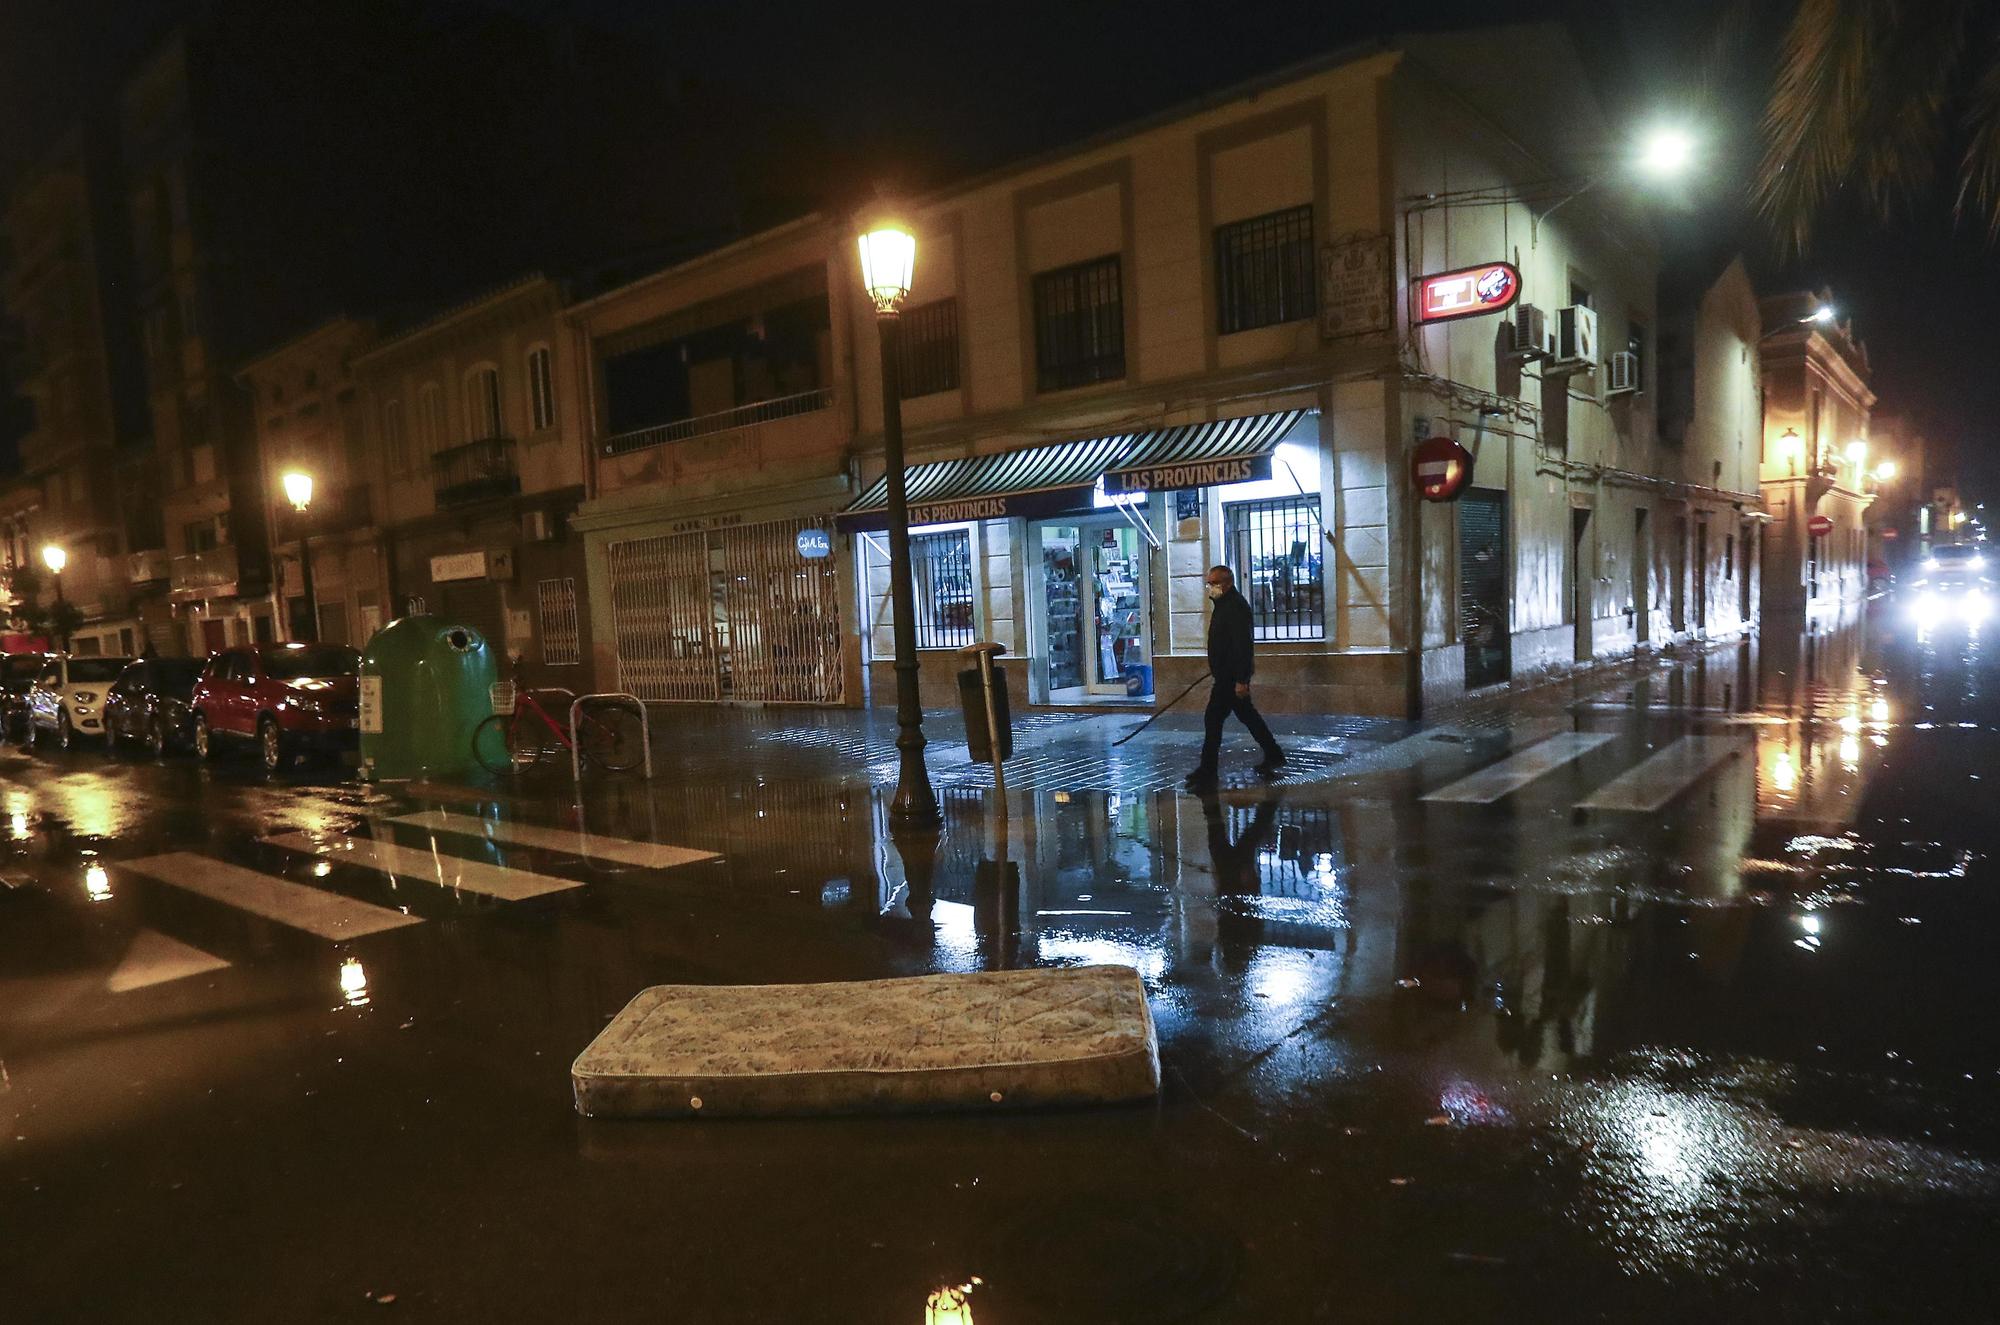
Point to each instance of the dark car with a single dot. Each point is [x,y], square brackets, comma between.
[289,699]
[149,703]
[17,677]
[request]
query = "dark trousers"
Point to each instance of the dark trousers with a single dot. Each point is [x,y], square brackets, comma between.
[1223,701]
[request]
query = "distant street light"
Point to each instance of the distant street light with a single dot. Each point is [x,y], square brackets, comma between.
[888,264]
[298,487]
[1885,471]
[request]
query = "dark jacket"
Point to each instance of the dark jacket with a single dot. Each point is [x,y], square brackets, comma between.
[1231,655]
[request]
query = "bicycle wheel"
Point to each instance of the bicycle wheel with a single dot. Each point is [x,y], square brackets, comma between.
[611,738]
[497,747]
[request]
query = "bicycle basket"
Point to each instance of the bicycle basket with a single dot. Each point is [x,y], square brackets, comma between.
[503,696]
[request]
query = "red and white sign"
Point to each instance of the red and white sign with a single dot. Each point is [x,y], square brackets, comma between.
[1440,468]
[1468,292]
[1820,526]
[1891,534]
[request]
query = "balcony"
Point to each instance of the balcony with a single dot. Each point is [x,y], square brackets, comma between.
[476,472]
[205,574]
[333,512]
[743,416]
[148,567]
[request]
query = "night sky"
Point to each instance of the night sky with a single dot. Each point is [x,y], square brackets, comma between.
[824,105]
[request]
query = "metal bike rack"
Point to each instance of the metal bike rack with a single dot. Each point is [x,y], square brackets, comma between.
[645,731]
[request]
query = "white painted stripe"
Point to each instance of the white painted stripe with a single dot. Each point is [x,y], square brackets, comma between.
[329,915]
[154,959]
[472,876]
[649,855]
[1517,771]
[1665,775]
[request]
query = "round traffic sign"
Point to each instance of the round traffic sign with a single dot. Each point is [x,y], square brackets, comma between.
[1820,526]
[1440,468]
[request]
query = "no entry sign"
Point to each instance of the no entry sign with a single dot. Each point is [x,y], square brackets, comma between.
[1440,468]
[1820,526]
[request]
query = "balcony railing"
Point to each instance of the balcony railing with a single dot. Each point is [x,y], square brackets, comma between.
[148,567]
[743,416]
[478,471]
[200,572]
[334,512]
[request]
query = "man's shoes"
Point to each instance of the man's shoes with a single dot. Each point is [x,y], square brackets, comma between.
[1202,779]
[1274,759]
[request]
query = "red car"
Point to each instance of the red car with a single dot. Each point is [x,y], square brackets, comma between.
[290,699]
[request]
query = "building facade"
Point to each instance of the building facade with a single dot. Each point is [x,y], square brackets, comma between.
[1816,473]
[470,420]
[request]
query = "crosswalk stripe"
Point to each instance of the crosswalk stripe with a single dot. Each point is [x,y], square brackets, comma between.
[447,871]
[328,915]
[1665,775]
[154,959]
[1517,771]
[648,855]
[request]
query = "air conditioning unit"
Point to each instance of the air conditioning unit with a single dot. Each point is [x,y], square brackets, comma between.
[1530,334]
[1576,337]
[1622,372]
[537,527]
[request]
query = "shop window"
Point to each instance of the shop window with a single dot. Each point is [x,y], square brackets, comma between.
[1273,547]
[1079,325]
[556,622]
[941,567]
[927,349]
[1264,270]
[541,388]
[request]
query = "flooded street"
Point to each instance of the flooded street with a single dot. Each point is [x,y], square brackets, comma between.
[1667,991]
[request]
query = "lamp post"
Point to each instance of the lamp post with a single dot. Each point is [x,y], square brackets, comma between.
[299,492]
[888,261]
[1791,446]
[55,559]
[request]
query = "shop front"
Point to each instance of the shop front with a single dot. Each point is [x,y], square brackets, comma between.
[1084,559]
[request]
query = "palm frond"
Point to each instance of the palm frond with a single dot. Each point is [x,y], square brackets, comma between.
[1979,168]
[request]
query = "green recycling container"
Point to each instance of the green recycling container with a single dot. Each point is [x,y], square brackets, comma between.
[426,685]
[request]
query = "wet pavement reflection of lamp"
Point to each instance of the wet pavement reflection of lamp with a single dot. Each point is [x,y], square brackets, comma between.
[888,263]
[299,492]
[354,983]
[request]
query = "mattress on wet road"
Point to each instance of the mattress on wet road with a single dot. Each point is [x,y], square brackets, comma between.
[996,1039]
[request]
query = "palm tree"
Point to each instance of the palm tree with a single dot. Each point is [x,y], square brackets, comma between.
[1873,96]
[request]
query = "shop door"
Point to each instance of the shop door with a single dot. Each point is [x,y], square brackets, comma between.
[214,635]
[1094,600]
[1482,587]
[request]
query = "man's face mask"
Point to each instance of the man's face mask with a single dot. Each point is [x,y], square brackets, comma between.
[1217,590]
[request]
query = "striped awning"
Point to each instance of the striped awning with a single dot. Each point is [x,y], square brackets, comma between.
[1049,480]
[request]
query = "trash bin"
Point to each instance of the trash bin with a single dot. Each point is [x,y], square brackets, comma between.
[426,685]
[972,699]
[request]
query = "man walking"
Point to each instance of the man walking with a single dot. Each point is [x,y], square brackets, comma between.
[1231,661]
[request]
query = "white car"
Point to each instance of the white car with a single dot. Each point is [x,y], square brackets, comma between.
[67,699]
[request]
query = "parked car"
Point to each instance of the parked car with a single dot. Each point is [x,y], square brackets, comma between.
[290,699]
[67,699]
[149,703]
[17,676]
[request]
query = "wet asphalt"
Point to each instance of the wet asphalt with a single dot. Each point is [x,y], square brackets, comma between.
[1734,1056]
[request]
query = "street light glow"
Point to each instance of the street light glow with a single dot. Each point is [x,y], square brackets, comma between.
[1857,453]
[298,489]
[1667,152]
[1885,471]
[1790,443]
[1822,315]
[55,558]
[888,264]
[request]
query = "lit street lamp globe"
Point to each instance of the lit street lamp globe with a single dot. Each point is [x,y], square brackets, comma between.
[298,489]
[888,264]
[55,558]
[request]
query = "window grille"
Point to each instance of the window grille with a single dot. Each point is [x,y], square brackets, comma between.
[927,349]
[555,604]
[1264,270]
[1274,550]
[1079,325]
[941,567]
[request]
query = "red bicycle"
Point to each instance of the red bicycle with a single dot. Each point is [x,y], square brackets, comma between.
[521,733]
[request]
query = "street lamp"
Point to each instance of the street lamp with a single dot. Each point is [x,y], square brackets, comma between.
[55,559]
[1666,152]
[1857,455]
[888,261]
[298,487]
[1885,471]
[1791,446]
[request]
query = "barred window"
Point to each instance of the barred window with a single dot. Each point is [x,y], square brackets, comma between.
[555,608]
[1274,550]
[1079,325]
[941,567]
[541,388]
[1264,270]
[927,349]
